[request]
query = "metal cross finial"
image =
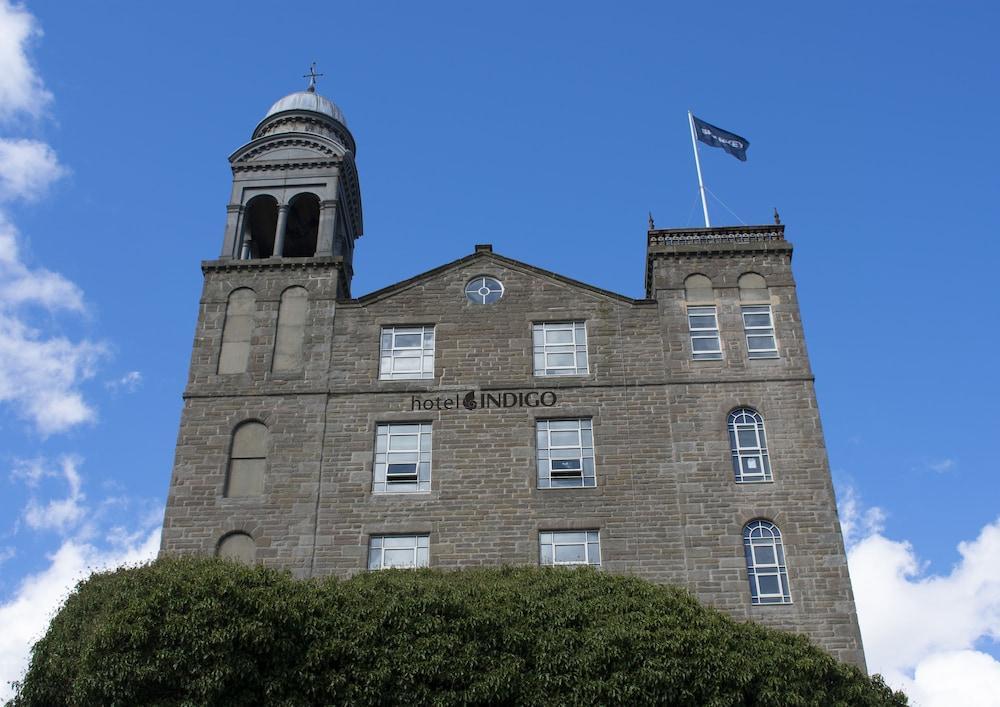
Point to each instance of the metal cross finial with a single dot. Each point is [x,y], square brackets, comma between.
[312,76]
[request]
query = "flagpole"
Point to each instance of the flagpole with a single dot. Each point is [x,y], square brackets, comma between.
[697,166]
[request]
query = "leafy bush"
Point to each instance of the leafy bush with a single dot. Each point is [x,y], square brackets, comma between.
[204,632]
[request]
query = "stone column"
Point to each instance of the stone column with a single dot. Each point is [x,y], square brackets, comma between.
[234,225]
[327,226]
[279,232]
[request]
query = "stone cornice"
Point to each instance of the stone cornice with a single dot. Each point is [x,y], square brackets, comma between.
[277,143]
[283,165]
[258,264]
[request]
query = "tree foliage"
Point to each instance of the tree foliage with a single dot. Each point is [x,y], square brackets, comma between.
[186,631]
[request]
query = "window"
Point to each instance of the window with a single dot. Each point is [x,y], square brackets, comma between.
[484,290]
[766,563]
[247,461]
[402,458]
[407,352]
[237,331]
[749,446]
[570,547]
[565,453]
[386,551]
[560,348]
[704,327]
[759,328]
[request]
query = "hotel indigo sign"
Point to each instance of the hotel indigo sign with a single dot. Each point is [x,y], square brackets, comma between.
[485,401]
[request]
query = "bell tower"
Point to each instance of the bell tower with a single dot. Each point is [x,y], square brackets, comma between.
[250,448]
[295,186]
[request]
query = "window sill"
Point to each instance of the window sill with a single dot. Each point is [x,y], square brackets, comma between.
[566,488]
[397,494]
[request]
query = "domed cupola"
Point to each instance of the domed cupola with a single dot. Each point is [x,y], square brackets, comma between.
[296,192]
[306,111]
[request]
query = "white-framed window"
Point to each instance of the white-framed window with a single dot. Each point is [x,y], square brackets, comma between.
[484,290]
[385,551]
[703,325]
[758,324]
[402,458]
[406,352]
[565,453]
[560,348]
[766,569]
[748,444]
[569,547]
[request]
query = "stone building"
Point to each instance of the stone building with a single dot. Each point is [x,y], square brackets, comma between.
[489,411]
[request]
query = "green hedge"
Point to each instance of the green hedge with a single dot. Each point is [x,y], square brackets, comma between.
[205,632]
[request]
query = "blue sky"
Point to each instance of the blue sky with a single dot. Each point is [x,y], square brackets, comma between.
[549,130]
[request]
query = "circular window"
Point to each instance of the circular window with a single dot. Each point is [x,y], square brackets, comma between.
[484,290]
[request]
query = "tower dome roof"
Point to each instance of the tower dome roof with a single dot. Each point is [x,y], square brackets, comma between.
[308,101]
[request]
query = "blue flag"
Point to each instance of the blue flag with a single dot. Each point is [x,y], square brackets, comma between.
[717,137]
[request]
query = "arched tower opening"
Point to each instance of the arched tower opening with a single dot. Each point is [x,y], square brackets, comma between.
[261,216]
[302,230]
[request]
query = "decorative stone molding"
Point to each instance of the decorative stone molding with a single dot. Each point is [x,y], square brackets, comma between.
[216,266]
[322,125]
[277,166]
[726,234]
[272,145]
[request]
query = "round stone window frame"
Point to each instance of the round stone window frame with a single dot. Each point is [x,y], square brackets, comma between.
[488,287]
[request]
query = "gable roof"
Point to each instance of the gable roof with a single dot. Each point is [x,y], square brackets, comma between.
[485,253]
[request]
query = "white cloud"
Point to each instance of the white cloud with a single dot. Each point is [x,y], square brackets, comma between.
[60,514]
[129,382]
[41,375]
[41,370]
[942,465]
[921,630]
[27,169]
[966,678]
[857,522]
[21,89]
[37,598]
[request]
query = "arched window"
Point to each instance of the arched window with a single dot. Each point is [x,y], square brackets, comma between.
[302,229]
[698,288]
[291,329]
[237,330]
[749,446]
[247,460]
[766,563]
[261,222]
[239,547]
